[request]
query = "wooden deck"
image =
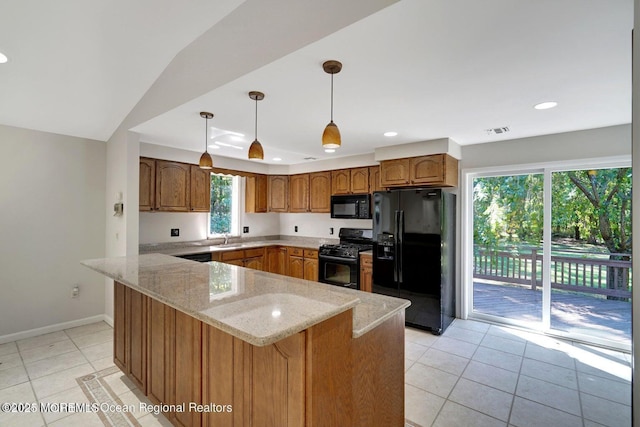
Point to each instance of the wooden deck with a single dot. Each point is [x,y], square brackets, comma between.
[572,312]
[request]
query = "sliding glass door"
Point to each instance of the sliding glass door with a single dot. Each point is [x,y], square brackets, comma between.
[551,250]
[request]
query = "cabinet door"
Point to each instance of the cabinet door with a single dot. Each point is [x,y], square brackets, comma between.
[147,184]
[172,186]
[366,273]
[161,348]
[188,368]
[427,169]
[137,328]
[394,172]
[360,180]
[341,181]
[296,266]
[254,263]
[200,189]
[320,192]
[256,194]
[276,259]
[120,334]
[277,384]
[299,193]
[311,269]
[278,193]
[374,179]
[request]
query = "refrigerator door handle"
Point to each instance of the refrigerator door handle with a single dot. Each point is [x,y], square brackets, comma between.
[399,243]
[396,253]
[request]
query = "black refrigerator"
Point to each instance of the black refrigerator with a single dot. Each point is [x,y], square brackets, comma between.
[414,253]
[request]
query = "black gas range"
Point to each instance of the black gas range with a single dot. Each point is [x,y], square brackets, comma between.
[339,264]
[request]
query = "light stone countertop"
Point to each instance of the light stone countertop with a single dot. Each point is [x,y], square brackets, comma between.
[258,307]
[202,246]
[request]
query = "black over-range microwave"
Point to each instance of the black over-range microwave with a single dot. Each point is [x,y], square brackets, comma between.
[351,206]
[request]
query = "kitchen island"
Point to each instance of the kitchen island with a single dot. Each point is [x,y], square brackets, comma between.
[219,345]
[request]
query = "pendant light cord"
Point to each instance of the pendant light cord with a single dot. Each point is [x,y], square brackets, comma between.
[331,97]
[256,126]
[206,134]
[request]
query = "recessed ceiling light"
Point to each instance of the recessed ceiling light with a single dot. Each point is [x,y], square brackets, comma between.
[3,58]
[390,133]
[276,159]
[329,150]
[545,105]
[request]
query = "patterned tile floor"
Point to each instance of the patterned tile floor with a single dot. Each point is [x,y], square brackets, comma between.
[475,374]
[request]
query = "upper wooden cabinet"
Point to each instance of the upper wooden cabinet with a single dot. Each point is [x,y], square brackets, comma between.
[256,194]
[374,179]
[299,193]
[350,181]
[173,186]
[320,192]
[147,184]
[200,189]
[278,191]
[436,170]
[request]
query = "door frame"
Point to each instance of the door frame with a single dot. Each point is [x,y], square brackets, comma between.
[466,240]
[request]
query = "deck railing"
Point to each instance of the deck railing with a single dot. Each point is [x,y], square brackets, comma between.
[602,274]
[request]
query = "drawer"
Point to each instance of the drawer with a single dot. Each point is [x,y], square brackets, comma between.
[252,253]
[366,259]
[227,256]
[295,251]
[310,253]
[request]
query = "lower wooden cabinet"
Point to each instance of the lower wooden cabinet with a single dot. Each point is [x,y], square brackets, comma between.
[311,264]
[276,259]
[319,376]
[366,272]
[249,258]
[303,263]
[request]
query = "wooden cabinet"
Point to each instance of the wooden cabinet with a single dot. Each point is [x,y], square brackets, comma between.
[311,265]
[299,193]
[173,187]
[256,194]
[130,342]
[374,179]
[366,272]
[295,262]
[276,259]
[278,192]
[147,184]
[438,170]
[200,199]
[320,192]
[188,369]
[303,263]
[350,181]
[161,351]
[249,258]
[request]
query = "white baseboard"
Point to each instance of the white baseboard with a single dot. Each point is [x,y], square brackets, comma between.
[55,328]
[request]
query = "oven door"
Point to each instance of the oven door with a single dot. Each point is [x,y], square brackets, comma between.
[339,271]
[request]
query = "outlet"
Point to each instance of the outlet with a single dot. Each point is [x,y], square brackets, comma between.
[245,229]
[331,230]
[75,291]
[175,232]
[295,228]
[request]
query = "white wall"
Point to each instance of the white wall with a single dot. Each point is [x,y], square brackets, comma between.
[586,144]
[317,224]
[52,216]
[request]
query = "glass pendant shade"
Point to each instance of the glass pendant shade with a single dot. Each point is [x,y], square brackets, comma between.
[256,151]
[206,162]
[331,136]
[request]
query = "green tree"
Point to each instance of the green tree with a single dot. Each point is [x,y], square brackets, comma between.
[221,192]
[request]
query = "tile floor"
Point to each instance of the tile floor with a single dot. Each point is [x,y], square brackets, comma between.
[475,374]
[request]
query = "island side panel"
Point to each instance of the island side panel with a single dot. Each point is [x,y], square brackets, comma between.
[378,381]
[221,378]
[188,366]
[330,371]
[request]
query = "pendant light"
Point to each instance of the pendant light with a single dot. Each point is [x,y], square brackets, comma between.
[331,134]
[255,150]
[205,160]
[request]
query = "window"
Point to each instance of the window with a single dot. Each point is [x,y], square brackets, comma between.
[225,207]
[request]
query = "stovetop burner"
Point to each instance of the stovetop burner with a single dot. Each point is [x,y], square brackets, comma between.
[352,241]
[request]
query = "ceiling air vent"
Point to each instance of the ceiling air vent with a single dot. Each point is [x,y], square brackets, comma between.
[310,158]
[497,131]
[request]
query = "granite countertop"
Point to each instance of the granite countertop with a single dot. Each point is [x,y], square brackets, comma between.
[255,306]
[204,246]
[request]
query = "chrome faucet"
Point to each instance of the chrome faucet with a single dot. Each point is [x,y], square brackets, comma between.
[226,238]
